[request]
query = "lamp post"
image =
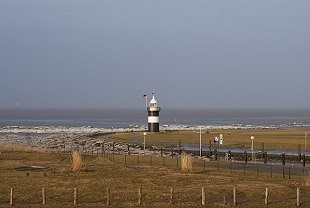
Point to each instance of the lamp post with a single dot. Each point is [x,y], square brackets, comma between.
[252,138]
[200,148]
[144,134]
[305,141]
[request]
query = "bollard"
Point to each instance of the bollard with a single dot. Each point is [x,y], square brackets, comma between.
[283,158]
[283,172]
[304,160]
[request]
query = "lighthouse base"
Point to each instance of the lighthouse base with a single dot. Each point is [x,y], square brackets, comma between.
[153,127]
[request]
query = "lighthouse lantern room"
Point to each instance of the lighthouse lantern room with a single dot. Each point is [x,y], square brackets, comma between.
[153,115]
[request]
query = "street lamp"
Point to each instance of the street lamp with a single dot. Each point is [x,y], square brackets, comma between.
[252,138]
[200,148]
[305,141]
[144,134]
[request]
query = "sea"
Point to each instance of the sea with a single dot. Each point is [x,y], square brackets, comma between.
[123,118]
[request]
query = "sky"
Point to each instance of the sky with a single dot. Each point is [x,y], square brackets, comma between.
[192,54]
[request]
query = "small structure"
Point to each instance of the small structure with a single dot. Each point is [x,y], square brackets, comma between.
[153,115]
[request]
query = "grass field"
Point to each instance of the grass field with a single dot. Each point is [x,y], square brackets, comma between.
[272,138]
[155,175]
[156,180]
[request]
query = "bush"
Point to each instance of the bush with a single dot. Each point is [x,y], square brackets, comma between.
[186,162]
[76,161]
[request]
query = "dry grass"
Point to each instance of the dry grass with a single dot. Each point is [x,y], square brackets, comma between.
[156,179]
[307,179]
[186,162]
[272,138]
[76,161]
[17,148]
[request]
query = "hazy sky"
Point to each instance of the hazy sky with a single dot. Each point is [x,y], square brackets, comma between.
[192,53]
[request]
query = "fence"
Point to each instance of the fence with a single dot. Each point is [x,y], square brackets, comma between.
[287,171]
[172,196]
[161,196]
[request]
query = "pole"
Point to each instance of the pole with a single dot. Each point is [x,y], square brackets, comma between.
[200,149]
[252,138]
[145,101]
[305,140]
[144,134]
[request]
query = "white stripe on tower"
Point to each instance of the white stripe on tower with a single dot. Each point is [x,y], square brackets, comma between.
[153,119]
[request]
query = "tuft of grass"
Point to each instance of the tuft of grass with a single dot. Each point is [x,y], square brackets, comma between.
[186,162]
[307,179]
[76,161]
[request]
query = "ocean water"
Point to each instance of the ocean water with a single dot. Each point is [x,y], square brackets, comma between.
[122,118]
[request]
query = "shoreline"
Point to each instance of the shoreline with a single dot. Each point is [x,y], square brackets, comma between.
[66,138]
[93,130]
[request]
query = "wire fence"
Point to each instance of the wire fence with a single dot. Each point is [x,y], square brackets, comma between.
[159,196]
[287,172]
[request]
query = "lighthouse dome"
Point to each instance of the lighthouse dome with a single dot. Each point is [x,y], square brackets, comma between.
[153,102]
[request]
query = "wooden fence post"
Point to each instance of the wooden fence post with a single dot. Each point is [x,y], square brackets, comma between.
[171,195]
[266,196]
[139,195]
[203,196]
[75,197]
[43,197]
[298,197]
[235,196]
[11,196]
[108,196]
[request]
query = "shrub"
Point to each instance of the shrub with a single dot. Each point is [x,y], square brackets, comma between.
[76,161]
[186,162]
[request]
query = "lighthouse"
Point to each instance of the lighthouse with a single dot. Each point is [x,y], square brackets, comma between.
[153,116]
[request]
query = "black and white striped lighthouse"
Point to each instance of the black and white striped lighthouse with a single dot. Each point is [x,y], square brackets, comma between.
[153,116]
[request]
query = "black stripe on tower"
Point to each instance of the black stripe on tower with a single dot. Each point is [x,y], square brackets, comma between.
[153,113]
[153,127]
